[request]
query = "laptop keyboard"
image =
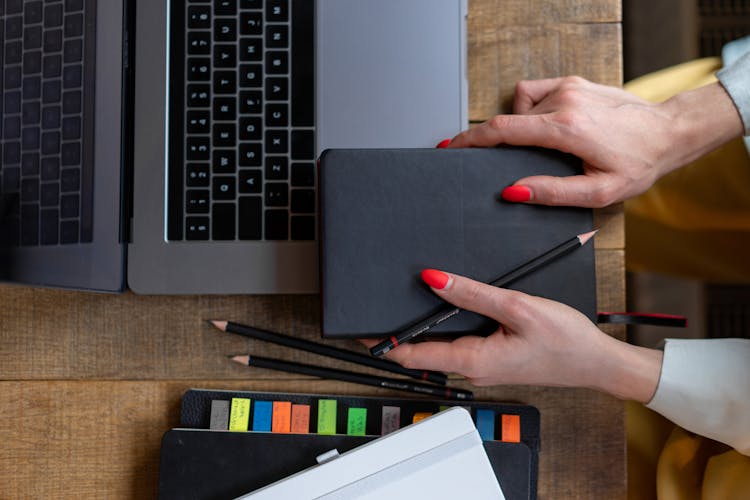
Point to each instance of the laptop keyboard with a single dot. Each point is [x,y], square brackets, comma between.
[46,56]
[242,149]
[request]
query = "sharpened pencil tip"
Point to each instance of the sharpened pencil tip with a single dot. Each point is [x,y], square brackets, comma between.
[221,325]
[243,360]
[583,238]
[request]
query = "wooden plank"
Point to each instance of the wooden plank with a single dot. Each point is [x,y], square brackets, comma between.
[492,13]
[54,334]
[101,439]
[501,56]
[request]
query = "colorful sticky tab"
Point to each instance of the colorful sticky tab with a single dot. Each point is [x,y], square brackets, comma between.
[219,415]
[327,416]
[300,419]
[239,414]
[444,407]
[282,417]
[511,428]
[486,424]
[420,416]
[262,416]
[391,419]
[356,422]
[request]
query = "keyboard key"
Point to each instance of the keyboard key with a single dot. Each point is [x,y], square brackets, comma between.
[277,62]
[12,103]
[32,113]
[71,128]
[69,205]
[277,89]
[251,4]
[224,161]
[199,17]
[14,7]
[277,168]
[73,5]
[32,88]
[198,175]
[251,102]
[73,25]
[251,154]
[302,72]
[224,188]
[225,8]
[277,11]
[251,75]
[51,143]
[32,62]
[303,145]
[277,115]
[199,95]
[50,116]
[303,201]
[30,164]
[250,181]
[51,92]
[251,49]
[250,218]
[276,224]
[13,27]
[225,109]
[50,168]
[32,37]
[11,181]
[29,190]
[11,153]
[72,77]
[11,125]
[199,69]
[225,82]
[251,23]
[52,41]
[251,128]
[277,194]
[51,66]
[30,138]
[224,135]
[70,180]
[303,227]
[223,218]
[225,56]
[197,201]
[53,15]
[197,228]
[198,122]
[198,148]
[50,194]
[303,174]
[13,52]
[277,142]
[72,102]
[69,231]
[225,30]
[277,37]
[73,51]
[199,43]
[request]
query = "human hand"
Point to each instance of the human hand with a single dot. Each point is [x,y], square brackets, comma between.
[626,143]
[539,342]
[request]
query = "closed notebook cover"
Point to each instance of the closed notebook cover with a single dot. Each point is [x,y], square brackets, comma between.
[388,214]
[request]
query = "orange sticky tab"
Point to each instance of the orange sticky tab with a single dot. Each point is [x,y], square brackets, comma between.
[301,419]
[282,417]
[420,416]
[511,426]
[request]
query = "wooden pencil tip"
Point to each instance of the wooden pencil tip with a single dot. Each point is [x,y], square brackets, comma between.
[221,325]
[243,360]
[583,238]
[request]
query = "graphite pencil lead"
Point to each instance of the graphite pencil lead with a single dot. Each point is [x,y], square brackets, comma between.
[583,238]
[221,325]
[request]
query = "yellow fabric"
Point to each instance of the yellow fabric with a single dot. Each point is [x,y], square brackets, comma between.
[694,222]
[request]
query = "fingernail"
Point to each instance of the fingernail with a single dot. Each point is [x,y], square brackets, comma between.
[436,279]
[443,144]
[516,193]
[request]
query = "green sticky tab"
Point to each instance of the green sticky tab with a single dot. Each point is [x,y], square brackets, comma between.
[239,414]
[327,416]
[356,422]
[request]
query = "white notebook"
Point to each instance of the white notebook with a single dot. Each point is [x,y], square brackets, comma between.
[441,457]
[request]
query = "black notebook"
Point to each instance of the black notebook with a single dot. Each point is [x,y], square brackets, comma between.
[388,214]
[201,464]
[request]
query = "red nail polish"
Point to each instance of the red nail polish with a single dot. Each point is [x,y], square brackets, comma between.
[443,144]
[516,193]
[434,278]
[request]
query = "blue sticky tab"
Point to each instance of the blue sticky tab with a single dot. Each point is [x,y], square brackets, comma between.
[262,416]
[485,424]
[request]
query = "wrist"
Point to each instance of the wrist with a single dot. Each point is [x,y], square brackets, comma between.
[628,372]
[703,119]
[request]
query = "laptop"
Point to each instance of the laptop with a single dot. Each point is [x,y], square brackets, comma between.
[170,146]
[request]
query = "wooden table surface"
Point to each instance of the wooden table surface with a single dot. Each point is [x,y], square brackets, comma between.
[90,382]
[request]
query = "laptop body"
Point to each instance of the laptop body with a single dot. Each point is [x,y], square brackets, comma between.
[360,68]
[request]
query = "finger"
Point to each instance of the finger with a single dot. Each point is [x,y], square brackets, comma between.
[508,307]
[529,93]
[459,356]
[590,190]
[517,130]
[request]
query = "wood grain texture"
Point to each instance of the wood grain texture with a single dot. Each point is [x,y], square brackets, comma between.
[69,439]
[91,381]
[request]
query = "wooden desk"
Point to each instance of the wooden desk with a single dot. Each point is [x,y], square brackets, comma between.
[90,382]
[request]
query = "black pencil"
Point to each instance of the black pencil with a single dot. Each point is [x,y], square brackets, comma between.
[449,310]
[332,352]
[356,378]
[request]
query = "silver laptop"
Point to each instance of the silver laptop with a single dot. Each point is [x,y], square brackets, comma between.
[170,146]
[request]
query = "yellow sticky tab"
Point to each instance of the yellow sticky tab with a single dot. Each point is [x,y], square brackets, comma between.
[327,416]
[239,414]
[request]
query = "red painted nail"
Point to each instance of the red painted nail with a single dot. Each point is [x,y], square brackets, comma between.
[443,144]
[434,278]
[516,193]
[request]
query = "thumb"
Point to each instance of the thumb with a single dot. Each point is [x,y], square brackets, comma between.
[589,190]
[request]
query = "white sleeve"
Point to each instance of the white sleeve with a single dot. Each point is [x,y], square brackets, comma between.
[735,78]
[705,387]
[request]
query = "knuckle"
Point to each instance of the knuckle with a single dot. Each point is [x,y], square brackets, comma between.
[498,122]
[602,195]
[518,308]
